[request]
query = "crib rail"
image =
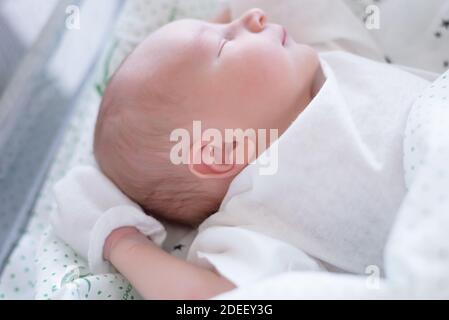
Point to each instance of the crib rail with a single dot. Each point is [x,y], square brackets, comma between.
[37,103]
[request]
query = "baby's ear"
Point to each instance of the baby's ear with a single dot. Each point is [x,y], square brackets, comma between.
[214,161]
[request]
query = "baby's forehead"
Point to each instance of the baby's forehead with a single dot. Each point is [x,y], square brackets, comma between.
[181,46]
[189,38]
[185,27]
[167,61]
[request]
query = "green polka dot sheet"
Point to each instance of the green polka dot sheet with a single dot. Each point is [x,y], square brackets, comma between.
[42,266]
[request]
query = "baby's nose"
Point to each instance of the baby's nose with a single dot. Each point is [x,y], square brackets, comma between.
[254,20]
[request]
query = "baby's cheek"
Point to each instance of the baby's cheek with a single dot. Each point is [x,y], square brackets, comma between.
[261,69]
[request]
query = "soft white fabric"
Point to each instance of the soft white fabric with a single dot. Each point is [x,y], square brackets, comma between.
[245,256]
[413,32]
[417,252]
[340,178]
[90,207]
[422,135]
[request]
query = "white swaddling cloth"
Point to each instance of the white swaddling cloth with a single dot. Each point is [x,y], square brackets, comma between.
[339,182]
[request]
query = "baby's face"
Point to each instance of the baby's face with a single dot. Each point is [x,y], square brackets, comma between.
[247,74]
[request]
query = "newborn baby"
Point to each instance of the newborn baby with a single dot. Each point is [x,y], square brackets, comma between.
[331,204]
[247,74]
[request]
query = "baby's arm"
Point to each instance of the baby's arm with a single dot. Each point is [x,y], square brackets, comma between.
[156,274]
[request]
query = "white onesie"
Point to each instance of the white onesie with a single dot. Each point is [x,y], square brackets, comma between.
[338,187]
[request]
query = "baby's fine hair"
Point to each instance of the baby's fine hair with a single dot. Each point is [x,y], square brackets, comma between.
[132,148]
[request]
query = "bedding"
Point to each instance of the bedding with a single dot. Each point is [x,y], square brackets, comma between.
[413,33]
[42,267]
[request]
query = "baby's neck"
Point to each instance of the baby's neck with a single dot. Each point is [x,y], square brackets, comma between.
[314,87]
[318,82]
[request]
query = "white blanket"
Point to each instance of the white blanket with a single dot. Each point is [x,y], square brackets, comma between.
[417,253]
[339,183]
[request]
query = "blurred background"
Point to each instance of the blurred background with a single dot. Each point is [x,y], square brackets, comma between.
[17,34]
[47,53]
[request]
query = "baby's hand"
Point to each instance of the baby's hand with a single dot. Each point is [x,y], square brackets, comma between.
[118,235]
[156,274]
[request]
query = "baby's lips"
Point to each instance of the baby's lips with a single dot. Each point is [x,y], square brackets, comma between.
[284,36]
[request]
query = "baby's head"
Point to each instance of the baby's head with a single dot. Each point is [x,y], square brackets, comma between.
[247,74]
